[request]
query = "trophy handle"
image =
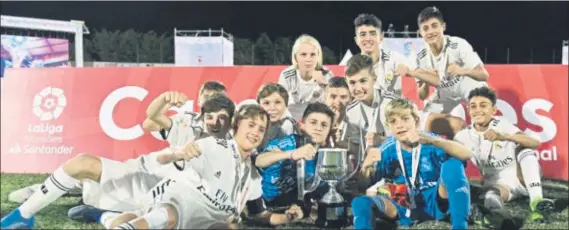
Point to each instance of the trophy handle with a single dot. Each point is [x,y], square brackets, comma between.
[300,176]
[360,159]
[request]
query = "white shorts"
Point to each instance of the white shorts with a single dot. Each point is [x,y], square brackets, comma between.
[190,205]
[512,183]
[120,187]
[448,102]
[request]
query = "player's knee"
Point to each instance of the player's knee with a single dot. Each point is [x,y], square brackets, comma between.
[453,169]
[84,166]
[168,211]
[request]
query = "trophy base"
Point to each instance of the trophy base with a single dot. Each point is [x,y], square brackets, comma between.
[331,215]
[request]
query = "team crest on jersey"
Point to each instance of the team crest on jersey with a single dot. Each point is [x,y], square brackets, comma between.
[497,145]
[217,174]
[389,76]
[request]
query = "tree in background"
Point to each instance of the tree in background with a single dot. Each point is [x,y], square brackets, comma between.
[132,46]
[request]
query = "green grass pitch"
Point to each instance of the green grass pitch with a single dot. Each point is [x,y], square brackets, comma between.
[55,215]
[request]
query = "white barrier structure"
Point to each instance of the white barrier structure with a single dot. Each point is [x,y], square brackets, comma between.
[75,27]
[203,48]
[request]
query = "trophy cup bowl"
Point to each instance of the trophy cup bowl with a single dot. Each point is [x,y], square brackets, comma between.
[332,166]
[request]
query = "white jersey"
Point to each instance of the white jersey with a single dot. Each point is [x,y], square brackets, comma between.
[219,179]
[301,92]
[495,160]
[385,70]
[366,117]
[455,50]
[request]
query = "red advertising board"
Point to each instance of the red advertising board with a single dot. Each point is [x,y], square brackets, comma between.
[51,115]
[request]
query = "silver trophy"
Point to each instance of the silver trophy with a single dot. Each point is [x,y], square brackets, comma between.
[333,165]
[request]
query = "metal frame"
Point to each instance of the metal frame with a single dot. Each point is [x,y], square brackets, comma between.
[203,33]
[73,26]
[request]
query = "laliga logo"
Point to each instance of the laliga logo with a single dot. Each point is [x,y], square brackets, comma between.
[49,103]
[108,124]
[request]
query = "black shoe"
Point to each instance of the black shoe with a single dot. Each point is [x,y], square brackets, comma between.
[494,219]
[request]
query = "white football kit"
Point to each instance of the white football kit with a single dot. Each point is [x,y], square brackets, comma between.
[301,92]
[372,118]
[453,90]
[215,186]
[496,161]
[389,85]
[123,183]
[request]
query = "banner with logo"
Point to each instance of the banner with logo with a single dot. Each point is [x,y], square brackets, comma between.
[34,52]
[51,115]
[409,47]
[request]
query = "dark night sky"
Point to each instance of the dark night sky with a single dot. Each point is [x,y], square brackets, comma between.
[491,25]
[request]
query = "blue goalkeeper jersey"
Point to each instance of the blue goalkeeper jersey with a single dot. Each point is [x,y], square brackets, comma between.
[280,177]
[429,168]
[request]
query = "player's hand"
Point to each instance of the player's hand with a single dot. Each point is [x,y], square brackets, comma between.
[294,213]
[175,98]
[454,70]
[402,70]
[337,133]
[492,135]
[305,152]
[189,151]
[373,155]
[419,138]
[370,137]
[318,77]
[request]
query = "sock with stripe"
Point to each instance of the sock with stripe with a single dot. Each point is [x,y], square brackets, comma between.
[52,188]
[531,173]
[107,218]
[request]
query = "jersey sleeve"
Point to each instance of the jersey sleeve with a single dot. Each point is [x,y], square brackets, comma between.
[289,126]
[284,80]
[508,128]
[462,137]
[180,122]
[468,56]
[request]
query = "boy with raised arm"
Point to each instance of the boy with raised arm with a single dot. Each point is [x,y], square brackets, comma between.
[219,182]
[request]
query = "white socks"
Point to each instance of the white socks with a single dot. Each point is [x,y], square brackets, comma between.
[52,188]
[531,172]
[107,218]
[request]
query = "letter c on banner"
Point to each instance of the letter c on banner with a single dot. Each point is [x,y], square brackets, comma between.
[106,120]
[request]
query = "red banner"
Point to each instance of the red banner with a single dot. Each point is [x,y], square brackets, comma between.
[51,115]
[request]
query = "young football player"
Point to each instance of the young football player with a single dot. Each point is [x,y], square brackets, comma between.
[306,78]
[504,155]
[452,58]
[429,166]
[277,163]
